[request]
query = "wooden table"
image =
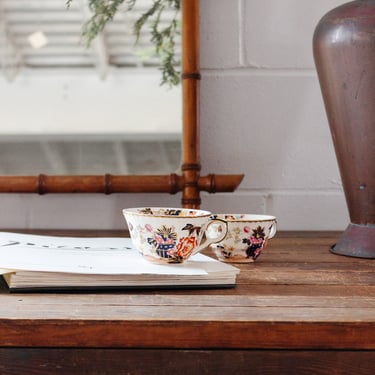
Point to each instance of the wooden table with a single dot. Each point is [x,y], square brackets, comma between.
[298,310]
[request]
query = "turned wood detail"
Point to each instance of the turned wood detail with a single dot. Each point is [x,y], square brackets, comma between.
[189,182]
[196,76]
[109,184]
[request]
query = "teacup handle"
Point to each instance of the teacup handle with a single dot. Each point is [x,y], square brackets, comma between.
[272,229]
[205,241]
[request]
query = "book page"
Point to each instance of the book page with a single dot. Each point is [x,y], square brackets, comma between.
[85,256]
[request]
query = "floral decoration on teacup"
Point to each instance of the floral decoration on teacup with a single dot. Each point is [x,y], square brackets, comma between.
[172,235]
[246,238]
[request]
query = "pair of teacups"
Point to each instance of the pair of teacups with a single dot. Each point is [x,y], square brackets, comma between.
[172,235]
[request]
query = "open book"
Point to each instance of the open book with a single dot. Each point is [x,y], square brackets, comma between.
[36,263]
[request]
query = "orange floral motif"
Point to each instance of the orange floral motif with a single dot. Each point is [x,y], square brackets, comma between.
[185,247]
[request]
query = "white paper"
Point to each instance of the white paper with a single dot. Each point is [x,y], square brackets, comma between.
[84,255]
[3,271]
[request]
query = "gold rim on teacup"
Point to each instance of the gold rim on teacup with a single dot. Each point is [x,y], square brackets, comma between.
[243,217]
[167,212]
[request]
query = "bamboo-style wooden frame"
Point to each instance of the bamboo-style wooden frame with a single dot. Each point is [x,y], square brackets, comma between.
[189,182]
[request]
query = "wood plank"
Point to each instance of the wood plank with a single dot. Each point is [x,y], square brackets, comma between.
[153,362]
[317,277]
[189,313]
[69,305]
[241,334]
[241,289]
[297,296]
[301,267]
[332,290]
[328,291]
[313,248]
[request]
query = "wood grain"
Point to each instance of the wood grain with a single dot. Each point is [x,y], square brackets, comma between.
[297,300]
[146,362]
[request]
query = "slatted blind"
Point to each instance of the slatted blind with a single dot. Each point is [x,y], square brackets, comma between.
[62,27]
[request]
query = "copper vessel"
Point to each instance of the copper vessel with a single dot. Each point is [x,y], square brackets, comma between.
[344,53]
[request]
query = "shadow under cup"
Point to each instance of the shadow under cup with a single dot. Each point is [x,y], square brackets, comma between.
[247,236]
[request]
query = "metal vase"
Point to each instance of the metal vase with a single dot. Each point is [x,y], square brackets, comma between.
[344,53]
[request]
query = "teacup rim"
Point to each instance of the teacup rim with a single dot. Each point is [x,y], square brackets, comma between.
[136,211]
[255,218]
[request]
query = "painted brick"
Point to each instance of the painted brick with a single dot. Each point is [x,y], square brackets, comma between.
[295,210]
[308,210]
[220,29]
[241,202]
[272,127]
[278,33]
[80,211]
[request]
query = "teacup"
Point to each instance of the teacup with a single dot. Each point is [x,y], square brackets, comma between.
[246,237]
[172,235]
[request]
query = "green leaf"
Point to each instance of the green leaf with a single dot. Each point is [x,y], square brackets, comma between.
[103,11]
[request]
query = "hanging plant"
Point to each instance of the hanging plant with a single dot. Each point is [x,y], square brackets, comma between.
[162,36]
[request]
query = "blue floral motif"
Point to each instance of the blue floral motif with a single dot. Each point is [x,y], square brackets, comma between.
[164,239]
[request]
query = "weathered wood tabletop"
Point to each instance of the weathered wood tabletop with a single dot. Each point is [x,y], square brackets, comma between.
[298,309]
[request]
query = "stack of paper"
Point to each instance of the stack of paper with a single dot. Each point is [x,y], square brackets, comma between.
[31,262]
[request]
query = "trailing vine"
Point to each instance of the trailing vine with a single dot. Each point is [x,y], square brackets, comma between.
[162,36]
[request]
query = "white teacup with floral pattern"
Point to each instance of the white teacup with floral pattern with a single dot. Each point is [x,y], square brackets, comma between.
[247,236]
[172,235]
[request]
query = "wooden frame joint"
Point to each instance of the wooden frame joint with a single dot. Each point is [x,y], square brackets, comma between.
[107,184]
[190,167]
[41,184]
[173,183]
[193,75]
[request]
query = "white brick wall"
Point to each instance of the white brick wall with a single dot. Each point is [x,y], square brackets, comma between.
[261,114]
